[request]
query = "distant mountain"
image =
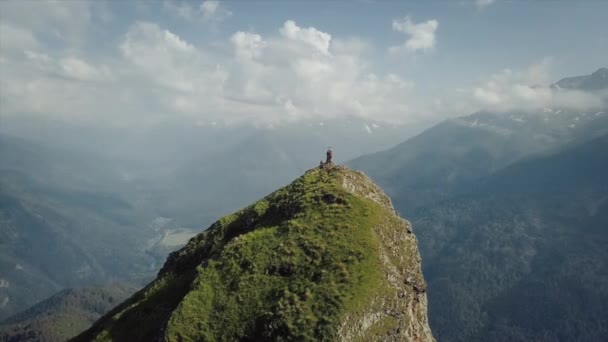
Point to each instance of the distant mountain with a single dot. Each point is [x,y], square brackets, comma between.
[63,315]
[596,81]
[510,209]
[59,229]
[51,239]
[180,140]
[448,158]
[324,258]
[187,171]
[263,160]
[523,256]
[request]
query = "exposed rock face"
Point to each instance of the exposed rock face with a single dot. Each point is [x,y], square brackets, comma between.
[324,258]
[402,315]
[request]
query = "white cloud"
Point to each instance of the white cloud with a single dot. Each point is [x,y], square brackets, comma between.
[209,11]
[351,46]
[68,87]
[167,59]
[213,12]
[66,21]
[14,39]
[421,36]
[296,73]
[78,69]
[528,90]
[310,36]
[247,45]
[42,60]
[181,9]
[483,3]
[52,64]
[68,67]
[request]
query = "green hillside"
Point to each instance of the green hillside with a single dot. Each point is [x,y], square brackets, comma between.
[52,238]
[63,315]
[324,258]
[523,256]
[64,223]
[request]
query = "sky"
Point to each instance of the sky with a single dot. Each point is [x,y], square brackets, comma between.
[142,62]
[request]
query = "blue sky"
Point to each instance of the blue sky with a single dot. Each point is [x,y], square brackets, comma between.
[405,61]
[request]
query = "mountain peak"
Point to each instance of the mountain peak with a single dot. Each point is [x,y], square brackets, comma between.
[596,81]
[323,258]
[601,72]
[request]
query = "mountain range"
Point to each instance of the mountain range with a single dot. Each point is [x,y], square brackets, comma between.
[62,225]
[63,315]
[510,209]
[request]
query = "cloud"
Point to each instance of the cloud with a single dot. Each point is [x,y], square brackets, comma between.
[168,60]
[14,39]
[66,68]
[528,90]
[295,73]
[209,11]
[183,10]
[78,69]
[310,36]
[67,87]
[483,3]
[291,75]
[351,46]
[421,36]
[63,21]
[247,45]
[213,12]
[305,73]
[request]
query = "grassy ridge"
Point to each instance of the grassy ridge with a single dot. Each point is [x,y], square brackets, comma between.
[287,267]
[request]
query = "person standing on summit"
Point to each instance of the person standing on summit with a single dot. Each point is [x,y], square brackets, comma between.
[328,163]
